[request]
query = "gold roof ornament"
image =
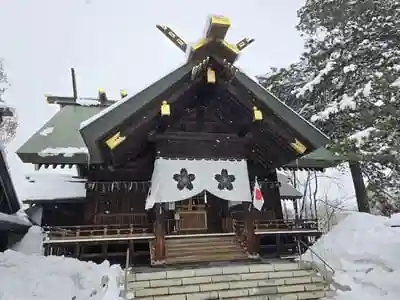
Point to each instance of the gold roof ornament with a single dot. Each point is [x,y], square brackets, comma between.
[213,43]
[257,114]
[165,109]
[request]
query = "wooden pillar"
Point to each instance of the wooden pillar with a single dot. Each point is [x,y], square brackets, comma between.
[3,240]
[159,232]
[359,186]
[296,209]
[249,229]
[278,245]
[77,251]
[104,250]
[131,253]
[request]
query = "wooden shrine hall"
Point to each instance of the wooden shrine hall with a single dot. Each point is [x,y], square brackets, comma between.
[172,168]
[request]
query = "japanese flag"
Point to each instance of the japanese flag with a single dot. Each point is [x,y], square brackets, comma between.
[258,199]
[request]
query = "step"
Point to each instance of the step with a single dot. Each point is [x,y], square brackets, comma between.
[228,248]
[224,291]
[201,245]
[199,241]
[206,258]
[252,281]
[245,280]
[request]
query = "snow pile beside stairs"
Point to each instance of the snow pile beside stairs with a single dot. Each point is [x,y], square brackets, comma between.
[364,252]
[27,275]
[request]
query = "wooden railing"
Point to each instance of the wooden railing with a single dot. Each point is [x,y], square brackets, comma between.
[121,218]
[289,225]
[239,230]
[93,231]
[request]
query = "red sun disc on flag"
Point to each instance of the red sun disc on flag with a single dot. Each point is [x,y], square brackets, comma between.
[258,195]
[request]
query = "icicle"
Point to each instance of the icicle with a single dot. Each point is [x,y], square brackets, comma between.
[130,186]
[205,197]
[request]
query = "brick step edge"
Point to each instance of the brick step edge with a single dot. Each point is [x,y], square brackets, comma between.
[220,257]
[203,296]
[227,270]
[269,282]
[243,291]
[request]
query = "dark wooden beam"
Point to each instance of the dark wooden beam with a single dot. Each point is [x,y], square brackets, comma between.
[199,136]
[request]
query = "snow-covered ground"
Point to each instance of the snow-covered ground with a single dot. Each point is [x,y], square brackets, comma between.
[364,252]
[27,275]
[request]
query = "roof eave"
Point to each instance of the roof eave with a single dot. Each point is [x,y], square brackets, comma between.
[314,136]
[114,115]
[55,200]
[35,158]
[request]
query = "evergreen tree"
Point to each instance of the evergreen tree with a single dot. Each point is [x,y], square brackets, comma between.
[8,117]
[347,82]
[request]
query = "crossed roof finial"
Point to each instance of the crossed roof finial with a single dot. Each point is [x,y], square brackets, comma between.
[212,44]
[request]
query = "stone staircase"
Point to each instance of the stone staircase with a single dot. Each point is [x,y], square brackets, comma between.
[271,281]
[203,249]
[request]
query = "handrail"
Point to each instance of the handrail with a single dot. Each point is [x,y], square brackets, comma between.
[126,275]
[325,263]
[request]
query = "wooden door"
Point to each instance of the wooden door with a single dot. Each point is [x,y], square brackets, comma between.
[192,214]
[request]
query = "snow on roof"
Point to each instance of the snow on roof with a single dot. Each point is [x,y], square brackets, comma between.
[13,219]
[88,101]
[65,151]
[364,252]
[47,131]
[50,186]
[37,277]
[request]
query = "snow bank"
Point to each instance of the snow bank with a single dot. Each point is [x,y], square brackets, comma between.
[364,252]
[395,220]
[35,277]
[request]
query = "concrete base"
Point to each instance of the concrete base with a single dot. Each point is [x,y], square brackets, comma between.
[277,280]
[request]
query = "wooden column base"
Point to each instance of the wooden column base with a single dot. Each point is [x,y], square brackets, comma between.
[159,245]
[250,236]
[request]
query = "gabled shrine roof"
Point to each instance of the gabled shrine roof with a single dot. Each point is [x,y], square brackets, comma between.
[59,140]
[7,190]
[10,219]
[139,110]
[61,134]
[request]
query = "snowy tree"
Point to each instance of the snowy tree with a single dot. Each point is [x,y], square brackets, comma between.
[8,117]
[348,82]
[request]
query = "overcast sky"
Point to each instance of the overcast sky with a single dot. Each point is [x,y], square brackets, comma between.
[114,45]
